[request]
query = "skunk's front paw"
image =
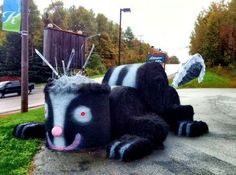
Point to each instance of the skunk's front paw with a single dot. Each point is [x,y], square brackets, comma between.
[128,148]
[29,130]
[192,128]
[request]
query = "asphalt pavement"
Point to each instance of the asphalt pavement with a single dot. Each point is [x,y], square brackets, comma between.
[213,153]
[11,103]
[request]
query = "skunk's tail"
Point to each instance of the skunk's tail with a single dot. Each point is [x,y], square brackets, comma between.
[193,68]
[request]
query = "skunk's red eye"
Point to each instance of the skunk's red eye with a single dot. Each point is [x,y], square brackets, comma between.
[83,114]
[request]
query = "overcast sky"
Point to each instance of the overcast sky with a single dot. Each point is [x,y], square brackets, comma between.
[165,24]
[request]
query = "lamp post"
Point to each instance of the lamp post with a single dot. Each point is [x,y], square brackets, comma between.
[121,10]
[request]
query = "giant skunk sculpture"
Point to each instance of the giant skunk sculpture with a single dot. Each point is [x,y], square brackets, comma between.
[131,119]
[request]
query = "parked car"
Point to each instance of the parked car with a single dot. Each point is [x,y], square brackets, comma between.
[8,87]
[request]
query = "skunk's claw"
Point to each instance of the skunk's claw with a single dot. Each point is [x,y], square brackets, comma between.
[128,148]
[29,130]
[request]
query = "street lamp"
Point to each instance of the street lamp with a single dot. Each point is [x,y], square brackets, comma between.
[121,10]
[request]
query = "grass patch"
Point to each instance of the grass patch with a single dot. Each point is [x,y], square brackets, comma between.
[16,155]
[40,84]
[96,76]
[214,78]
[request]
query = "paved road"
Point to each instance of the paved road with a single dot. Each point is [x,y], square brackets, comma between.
[213,153]
[12,102]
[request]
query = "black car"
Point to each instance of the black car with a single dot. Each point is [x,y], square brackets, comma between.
[8,87]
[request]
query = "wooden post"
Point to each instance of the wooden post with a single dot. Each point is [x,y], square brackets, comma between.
[24,55]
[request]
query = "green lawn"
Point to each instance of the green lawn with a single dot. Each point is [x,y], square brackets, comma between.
[96,76]
[15,154]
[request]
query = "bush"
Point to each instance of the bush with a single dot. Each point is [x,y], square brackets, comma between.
[38,72]
[95,66]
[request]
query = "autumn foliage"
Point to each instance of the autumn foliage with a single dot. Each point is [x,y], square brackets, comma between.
[214,35]
[74,18]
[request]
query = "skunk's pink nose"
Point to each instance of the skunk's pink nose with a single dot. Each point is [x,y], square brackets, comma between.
[57,131]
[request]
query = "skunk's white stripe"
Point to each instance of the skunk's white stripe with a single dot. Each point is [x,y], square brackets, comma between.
[188,129]
[59,141]
[20,126]
[60,102]
[112,150]
[130,78]
[112,87]
[115,74]
[124,148]
[181,128]
[25,127]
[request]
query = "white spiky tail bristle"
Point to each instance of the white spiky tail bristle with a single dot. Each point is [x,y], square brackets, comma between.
[72,55]
[69,83]
[45,60]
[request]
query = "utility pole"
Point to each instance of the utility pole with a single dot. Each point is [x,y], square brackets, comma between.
[24,56]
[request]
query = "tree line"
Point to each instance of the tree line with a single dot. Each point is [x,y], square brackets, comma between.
[214,35]
[72,19]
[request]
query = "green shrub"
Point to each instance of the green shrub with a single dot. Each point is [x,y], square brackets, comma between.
[95,66]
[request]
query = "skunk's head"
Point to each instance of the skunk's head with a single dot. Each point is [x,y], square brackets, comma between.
[77,114]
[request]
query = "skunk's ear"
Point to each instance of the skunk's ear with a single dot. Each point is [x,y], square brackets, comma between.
[95,88]
[50,82]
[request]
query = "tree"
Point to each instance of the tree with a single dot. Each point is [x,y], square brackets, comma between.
[35,29]
[129,36]
[11,55]
[2,34]
[11,49]
[102,24]
[214,34]
[56,14]
[95,65]
[82,19]
[173,60]
[73,18]
[105,49]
